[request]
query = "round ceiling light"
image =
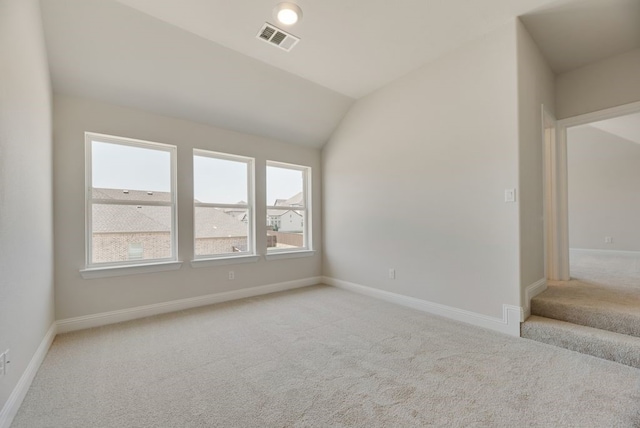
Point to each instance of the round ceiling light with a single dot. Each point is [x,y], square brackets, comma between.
[287,13]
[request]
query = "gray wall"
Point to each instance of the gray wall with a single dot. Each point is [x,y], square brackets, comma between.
[26,234]
[604,178]
[535,88]
[76,296]
[415,178]
[609,83]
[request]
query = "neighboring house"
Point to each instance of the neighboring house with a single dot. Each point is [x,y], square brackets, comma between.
[217,232]
[285,227]
[240,214]
[295,200]
[286,220]
[130,232]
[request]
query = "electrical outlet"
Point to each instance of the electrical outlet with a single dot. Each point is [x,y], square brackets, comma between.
[608,240]
[232,275]
[392,273]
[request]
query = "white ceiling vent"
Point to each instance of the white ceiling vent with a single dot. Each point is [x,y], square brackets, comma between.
[275,36]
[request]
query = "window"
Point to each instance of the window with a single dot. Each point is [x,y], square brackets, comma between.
[288,207]
[136,252]
[131,201]
[223,205]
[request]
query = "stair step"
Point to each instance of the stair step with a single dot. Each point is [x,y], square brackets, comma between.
[617,347]
[613,310]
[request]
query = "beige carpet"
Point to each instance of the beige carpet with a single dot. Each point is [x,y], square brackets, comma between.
[621,348]
[320,357]
[597,312]
[616,269]
[591,304]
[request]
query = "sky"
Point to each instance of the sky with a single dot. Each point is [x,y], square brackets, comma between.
[282,183]
[215,180]
[132,168]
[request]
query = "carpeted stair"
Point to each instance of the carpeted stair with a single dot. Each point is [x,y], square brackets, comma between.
[602,321]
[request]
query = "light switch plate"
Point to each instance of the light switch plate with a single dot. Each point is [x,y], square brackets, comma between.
[510,195]
[4,360]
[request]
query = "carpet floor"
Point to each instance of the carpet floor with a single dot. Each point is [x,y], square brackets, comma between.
[319,357]
[614,270]
[591,304]
[597,312]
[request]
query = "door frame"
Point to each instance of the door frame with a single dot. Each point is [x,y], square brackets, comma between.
[556,185]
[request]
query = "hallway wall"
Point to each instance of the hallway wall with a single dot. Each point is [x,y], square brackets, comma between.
[604,175]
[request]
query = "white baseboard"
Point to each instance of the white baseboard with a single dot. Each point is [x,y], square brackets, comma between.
[12,405]
[605,252]
[508,324]
[10,408]
[105,318]
[530,292]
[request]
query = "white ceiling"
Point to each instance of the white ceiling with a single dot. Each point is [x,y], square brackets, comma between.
[200,59]
[627,127]
[350,46]
[574,33]
[104,50]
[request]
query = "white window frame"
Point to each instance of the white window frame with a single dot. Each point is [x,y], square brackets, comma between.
[96,270]
[237,257]
[307,248]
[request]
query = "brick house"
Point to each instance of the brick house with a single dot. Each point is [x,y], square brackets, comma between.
[129,232]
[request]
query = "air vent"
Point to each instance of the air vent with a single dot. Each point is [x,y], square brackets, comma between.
[275,36]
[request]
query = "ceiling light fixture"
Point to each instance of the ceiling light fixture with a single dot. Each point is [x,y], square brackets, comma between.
[287,13]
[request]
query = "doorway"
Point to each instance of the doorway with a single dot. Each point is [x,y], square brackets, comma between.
[592,198]
[603,169]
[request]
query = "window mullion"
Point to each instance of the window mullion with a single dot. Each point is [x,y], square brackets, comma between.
[286,207]
[214,205]
[132,202]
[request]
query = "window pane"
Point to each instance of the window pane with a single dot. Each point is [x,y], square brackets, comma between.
[130,232]
[285,229]
[284,186]
[219,181]
[117,166]
[220,231]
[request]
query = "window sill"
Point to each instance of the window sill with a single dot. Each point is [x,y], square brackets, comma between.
[106,272]
[197,263]
[289,254]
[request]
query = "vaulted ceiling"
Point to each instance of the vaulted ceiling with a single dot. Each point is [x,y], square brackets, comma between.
[104,50]
[200,59]
[627,127]
[572,34]
[350,46]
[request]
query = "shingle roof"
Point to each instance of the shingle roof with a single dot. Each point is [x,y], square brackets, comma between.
[109,218]
[275,213]
[295,200]
[215,223]
[131,195]
[130,218]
